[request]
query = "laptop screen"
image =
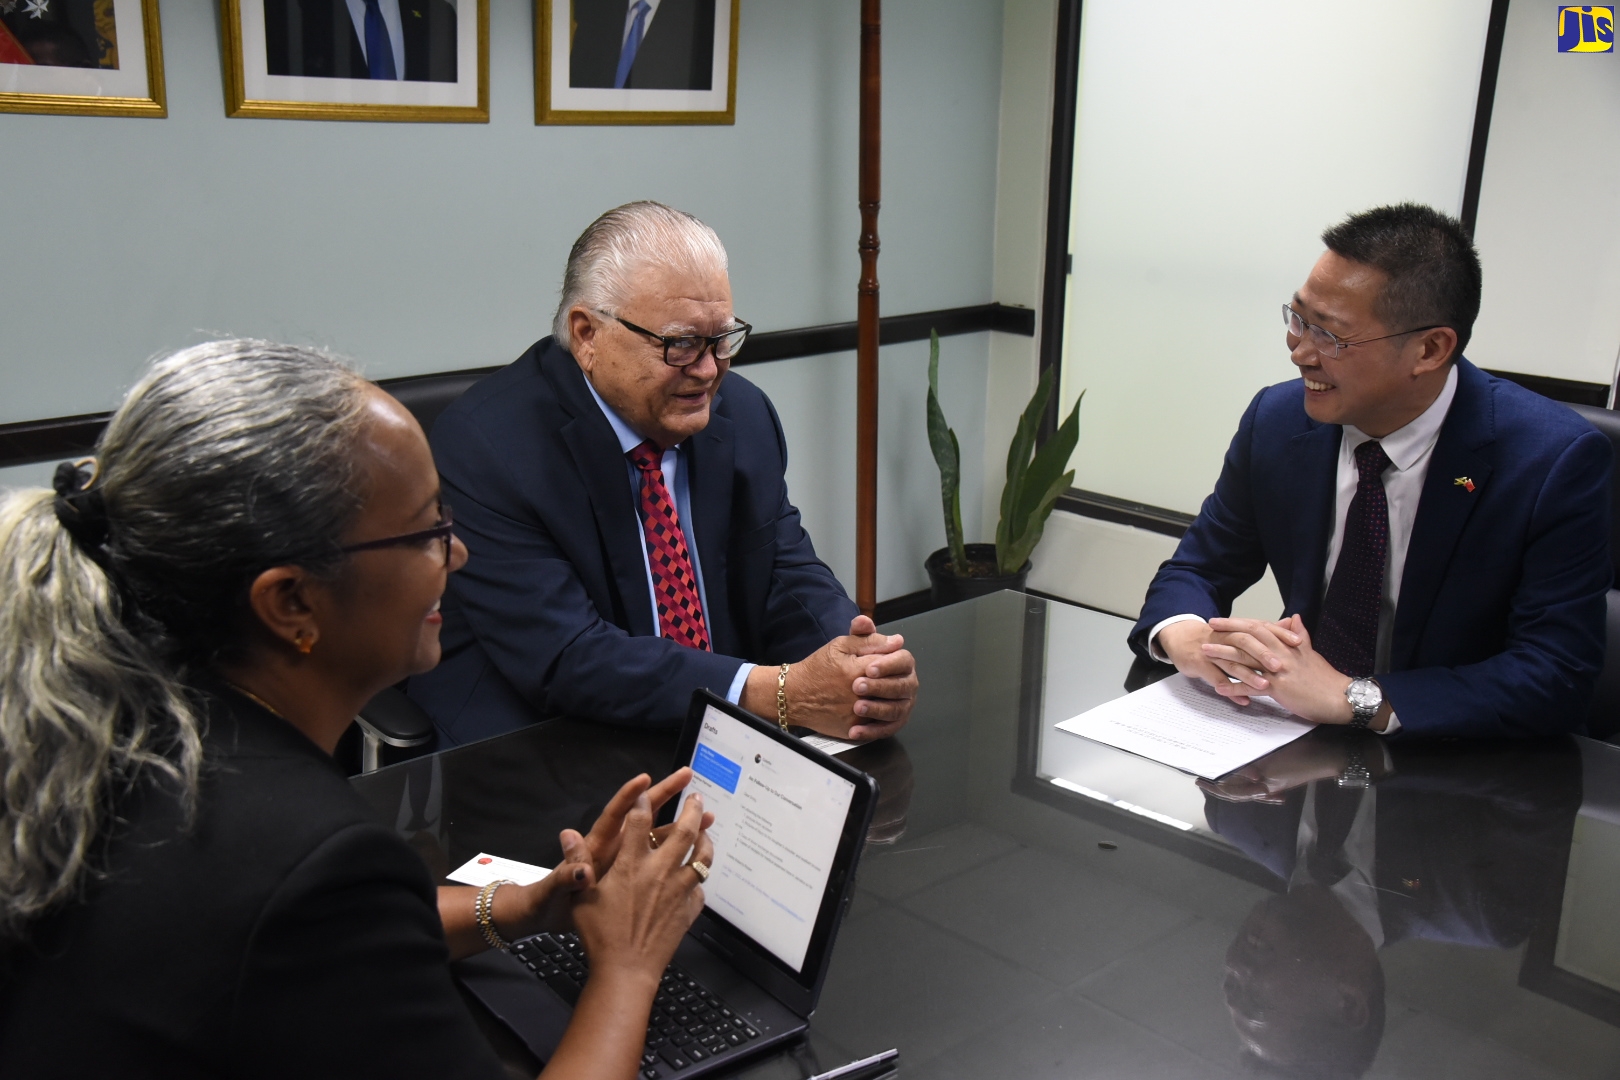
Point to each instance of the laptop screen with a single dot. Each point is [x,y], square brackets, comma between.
[778,818]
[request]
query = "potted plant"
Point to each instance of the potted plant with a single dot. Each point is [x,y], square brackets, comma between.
[1035,479]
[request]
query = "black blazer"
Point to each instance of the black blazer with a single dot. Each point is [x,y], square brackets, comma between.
[676,54]
[552,613]
[283,934]
[316,38]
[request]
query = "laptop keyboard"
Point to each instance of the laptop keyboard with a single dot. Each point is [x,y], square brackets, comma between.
[688,1023]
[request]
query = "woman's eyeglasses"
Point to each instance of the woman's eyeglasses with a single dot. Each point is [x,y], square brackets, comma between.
[441,532]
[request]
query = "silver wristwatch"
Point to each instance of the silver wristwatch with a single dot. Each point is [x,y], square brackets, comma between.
[1366,697]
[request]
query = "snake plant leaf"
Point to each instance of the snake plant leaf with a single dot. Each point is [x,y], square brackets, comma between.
[1011,559]
[948,456]
[1018,455]
[1049,462]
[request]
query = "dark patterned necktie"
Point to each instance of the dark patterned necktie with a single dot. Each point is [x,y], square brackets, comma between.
[1347,633]
[680,613]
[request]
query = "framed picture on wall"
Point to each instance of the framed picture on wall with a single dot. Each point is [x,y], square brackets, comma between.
[91,57]
[421,60]
[635,61]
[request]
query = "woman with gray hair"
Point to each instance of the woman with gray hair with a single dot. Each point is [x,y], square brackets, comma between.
[188,887]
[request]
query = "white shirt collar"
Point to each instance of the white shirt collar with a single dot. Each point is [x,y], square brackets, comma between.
[1405,446]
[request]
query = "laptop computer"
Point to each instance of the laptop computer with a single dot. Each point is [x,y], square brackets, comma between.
[790,823]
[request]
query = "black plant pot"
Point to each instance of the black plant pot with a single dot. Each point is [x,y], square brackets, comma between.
[946,588]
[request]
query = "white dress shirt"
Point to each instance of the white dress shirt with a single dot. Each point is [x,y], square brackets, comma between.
[391,19]
[1409,450]
[675,480]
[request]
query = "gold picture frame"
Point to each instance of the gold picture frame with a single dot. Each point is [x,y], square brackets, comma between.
[123,88]
[559,99]
[253,90]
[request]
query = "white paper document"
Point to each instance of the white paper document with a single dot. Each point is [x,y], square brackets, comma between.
[1186,725]
[482,869]
[827,744]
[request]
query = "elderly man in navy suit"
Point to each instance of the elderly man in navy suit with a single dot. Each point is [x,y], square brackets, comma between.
[627,519]
[1440,537]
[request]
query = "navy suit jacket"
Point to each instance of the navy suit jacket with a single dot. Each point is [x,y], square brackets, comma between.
[552,613]
[1499,627]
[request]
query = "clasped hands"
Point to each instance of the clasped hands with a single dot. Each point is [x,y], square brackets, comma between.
[1271,658]
[859,687]
[626,887]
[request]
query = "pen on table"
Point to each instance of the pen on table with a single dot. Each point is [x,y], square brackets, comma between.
[888,1057]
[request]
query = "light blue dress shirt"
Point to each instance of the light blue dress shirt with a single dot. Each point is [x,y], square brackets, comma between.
[675,479]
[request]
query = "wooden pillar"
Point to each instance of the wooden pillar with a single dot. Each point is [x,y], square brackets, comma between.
[866,308]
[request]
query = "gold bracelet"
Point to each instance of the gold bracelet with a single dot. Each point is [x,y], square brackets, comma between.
[484,913]
[781,697]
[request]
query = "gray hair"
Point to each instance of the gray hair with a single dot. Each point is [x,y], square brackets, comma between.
[603,261]
[224,460]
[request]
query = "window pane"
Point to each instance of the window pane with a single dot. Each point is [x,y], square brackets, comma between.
[1214,142]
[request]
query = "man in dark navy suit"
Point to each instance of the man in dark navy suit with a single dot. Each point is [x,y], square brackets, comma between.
[413,40]
[643,44]
[627,519]
[1440,537]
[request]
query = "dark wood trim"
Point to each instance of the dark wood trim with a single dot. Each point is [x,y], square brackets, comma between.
[1569,391]
[30,441]
[1495,32]
[866,305]
[892,330]
[1094,504]
[1059,191]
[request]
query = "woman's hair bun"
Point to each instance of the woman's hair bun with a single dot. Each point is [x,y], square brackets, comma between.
[80,507]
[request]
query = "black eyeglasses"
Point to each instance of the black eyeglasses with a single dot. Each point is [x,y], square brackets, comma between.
[441,532]
[684,350]
[1326,341]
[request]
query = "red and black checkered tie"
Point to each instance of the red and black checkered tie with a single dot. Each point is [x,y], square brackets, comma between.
[1347,633]
[680,613]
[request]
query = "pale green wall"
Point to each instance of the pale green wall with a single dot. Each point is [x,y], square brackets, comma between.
[416,247]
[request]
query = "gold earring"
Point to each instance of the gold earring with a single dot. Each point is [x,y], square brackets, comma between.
[304,644]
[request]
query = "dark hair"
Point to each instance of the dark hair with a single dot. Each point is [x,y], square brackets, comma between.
[1434,275]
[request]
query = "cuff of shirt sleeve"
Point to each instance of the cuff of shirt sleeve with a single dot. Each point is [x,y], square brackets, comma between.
[1153,635]
[1394,725]
[735,693]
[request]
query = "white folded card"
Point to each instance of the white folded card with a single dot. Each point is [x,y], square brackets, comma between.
[1184,724]
[482,869]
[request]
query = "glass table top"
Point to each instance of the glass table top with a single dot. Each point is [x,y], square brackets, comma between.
[1033,904]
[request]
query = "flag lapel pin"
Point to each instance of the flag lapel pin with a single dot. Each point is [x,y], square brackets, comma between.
[1464,482]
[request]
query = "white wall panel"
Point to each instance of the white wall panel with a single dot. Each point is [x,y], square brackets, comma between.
[1214,144]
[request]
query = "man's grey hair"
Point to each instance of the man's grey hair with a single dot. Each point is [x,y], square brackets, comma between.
[603,263]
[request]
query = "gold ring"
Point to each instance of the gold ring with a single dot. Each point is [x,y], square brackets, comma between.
[701,868]
[653,837]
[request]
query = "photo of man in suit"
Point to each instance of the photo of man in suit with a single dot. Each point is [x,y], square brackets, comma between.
[623,500]
[411,40]
[1440,536]
[643,44]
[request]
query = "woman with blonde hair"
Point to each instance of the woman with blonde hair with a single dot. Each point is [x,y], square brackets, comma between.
[188,886]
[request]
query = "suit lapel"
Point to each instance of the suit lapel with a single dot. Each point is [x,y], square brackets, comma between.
[713,461]
[1315,457]
[595,450]
[1445,506]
